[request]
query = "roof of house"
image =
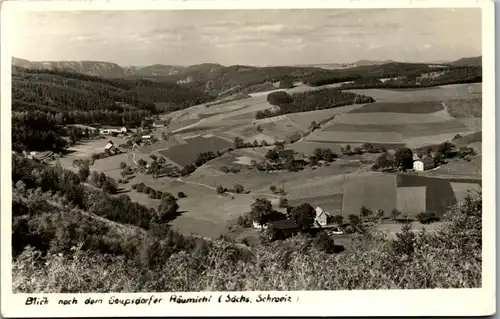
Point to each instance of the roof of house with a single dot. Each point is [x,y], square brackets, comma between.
[284,224]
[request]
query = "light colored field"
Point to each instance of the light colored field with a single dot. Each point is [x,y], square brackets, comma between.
[305,183]
[374,191]
[111,164]
[460,168]
[354,137]
[415,142]
[443,93]
[461,190]
[304,119]
[171,142]
[474,124]
[404,130]
[84,149]
[391,118]
[411,200]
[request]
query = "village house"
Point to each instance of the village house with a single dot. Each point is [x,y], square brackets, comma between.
[321,218]
[157,124]
[108,131]
[423,164]
[110,148]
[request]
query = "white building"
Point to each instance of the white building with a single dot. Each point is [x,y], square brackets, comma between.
[256,225]
[321,217]
[424,164]
[109,146]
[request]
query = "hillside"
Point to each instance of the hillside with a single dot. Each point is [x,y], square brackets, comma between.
[45,100]
[55,237]
[473,61]
[94,68]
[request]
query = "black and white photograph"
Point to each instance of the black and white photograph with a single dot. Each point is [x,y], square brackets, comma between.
[247,150]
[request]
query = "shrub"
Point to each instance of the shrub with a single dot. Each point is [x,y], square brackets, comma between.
[427,217]
[245,220]
[273,189]
[324,243]
[220,189]
[140,187]
[283,203]
[395,214]
[181,195]
[238,188]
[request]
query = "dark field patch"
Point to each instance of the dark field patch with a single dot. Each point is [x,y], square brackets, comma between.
[188,153]
[329,203]
[439,194]
[396,107]
[408,130]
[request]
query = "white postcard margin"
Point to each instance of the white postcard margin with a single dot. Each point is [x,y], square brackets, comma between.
[435,302]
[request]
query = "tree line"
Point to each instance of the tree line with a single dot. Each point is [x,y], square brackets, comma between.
[310,101]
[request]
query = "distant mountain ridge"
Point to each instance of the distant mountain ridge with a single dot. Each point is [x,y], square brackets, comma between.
[194,73]
[113,70]
[472,61]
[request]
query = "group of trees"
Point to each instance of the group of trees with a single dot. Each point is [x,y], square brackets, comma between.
[322,154]
[310,101]
[237,188]
[452,75]
[240,143]
[106,183]
[200,160]
[69,185]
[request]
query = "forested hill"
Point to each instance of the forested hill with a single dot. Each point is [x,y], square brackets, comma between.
[45,100]
[57,91]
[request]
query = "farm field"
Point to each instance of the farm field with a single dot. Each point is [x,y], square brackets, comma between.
[405,130]
[411,200]
[84,149]
[401,107]
[460,168]
[374,191]
[461,190]
[465,108]
[188,153]
[439,194]
[304,119]
[384,118]
[240,158]
[344,137]
[420,141]
[442,93]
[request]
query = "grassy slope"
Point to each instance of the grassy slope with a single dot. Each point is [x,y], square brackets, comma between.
[448,258]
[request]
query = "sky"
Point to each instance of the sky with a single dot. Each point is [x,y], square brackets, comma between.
[251,37]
